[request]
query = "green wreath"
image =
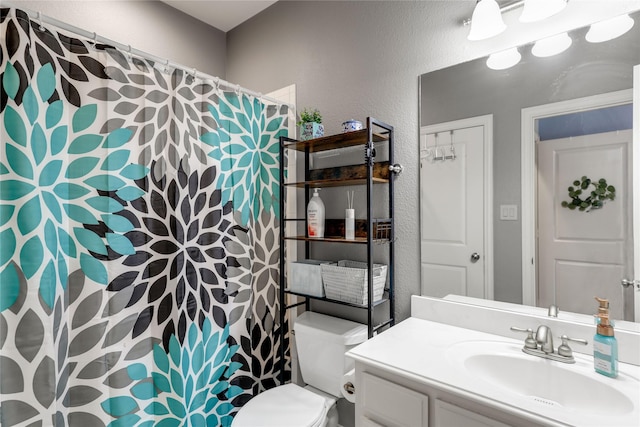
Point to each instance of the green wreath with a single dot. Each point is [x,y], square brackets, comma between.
[596,198]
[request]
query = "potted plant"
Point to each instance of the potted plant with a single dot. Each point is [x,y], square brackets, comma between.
[310,124]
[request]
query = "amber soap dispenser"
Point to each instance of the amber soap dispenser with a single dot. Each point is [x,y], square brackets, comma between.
[605,345]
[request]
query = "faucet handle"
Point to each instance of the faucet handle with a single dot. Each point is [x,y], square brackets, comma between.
[529,342]
[564,349]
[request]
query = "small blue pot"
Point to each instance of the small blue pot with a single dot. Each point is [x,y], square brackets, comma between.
[351,125]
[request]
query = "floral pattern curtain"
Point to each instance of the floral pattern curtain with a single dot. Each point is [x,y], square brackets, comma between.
[138,238]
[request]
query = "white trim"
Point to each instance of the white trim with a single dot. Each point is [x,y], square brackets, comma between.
[487,123]
[635,172]
[528,173]
[287,95]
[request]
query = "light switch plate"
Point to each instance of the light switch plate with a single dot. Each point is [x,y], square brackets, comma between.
[508,212]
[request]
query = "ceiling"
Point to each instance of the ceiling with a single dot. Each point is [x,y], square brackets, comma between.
[221,14]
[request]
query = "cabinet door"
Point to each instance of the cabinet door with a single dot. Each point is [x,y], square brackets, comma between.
[391,405]
[448,415]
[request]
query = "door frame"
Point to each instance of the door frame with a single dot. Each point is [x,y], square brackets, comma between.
[529,175]
[635,177]
[487,122]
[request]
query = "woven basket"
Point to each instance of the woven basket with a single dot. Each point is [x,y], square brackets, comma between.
[347,281]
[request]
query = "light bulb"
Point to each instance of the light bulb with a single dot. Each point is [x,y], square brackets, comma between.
[503,60]
[486,20]
[537,10]
[551,45]
[609,29]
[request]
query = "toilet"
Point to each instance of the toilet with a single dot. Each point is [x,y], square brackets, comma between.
[321,343]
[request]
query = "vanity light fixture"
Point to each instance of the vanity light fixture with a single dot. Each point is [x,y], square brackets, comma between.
[486,21]
[551,45]
[503,60]
[609,29]
[537,10]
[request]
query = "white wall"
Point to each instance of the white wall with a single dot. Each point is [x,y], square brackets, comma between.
[149,26]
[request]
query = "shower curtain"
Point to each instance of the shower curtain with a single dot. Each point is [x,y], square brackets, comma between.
[138,238]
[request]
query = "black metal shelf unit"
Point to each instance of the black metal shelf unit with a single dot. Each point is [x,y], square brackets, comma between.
[383,175]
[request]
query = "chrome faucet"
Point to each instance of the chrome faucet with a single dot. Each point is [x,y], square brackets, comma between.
[542,344]
[544,338]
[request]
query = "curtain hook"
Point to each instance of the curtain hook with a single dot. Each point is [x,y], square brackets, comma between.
[94,39]
[217,83]
[39,18]
[166,66]
[238,90]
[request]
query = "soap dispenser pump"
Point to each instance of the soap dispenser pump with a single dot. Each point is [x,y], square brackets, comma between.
[605,345]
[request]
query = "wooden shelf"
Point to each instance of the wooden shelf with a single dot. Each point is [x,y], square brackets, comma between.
[344,175]
[334,230]
[335,301]
[335,182]
[336,239]
[332,142]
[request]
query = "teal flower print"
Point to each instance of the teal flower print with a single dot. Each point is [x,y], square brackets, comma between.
[187,387]
[55,178]
[246,145]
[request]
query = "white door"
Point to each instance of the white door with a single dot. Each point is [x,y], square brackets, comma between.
[455,209]
[583,254]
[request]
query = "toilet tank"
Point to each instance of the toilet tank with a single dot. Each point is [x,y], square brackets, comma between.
[321,343]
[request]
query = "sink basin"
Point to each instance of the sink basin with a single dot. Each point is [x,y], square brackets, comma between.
[573,387]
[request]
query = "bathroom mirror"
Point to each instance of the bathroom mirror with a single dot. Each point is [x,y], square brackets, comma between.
[470,93]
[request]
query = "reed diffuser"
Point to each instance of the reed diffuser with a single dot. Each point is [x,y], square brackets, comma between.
[349,217]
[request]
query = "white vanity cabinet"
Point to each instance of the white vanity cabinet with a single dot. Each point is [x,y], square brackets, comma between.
[422,373]
[428,373]
[390,400]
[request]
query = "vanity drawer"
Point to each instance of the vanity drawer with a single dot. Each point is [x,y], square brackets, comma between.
[448,415]
[388,404]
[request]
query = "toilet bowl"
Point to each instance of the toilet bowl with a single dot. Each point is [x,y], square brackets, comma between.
[288,405]
[321,343]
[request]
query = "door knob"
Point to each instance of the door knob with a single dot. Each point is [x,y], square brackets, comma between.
[475,257]
[626,283]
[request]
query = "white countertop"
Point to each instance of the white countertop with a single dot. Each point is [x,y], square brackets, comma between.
[421,351]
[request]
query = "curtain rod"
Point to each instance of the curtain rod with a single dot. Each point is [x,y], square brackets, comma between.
[41,18]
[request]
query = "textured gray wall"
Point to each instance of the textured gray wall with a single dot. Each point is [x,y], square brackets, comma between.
[363,58]
[471,89]
[150,26]
[350,60]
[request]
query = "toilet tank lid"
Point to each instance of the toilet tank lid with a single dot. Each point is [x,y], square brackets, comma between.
[331,328]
